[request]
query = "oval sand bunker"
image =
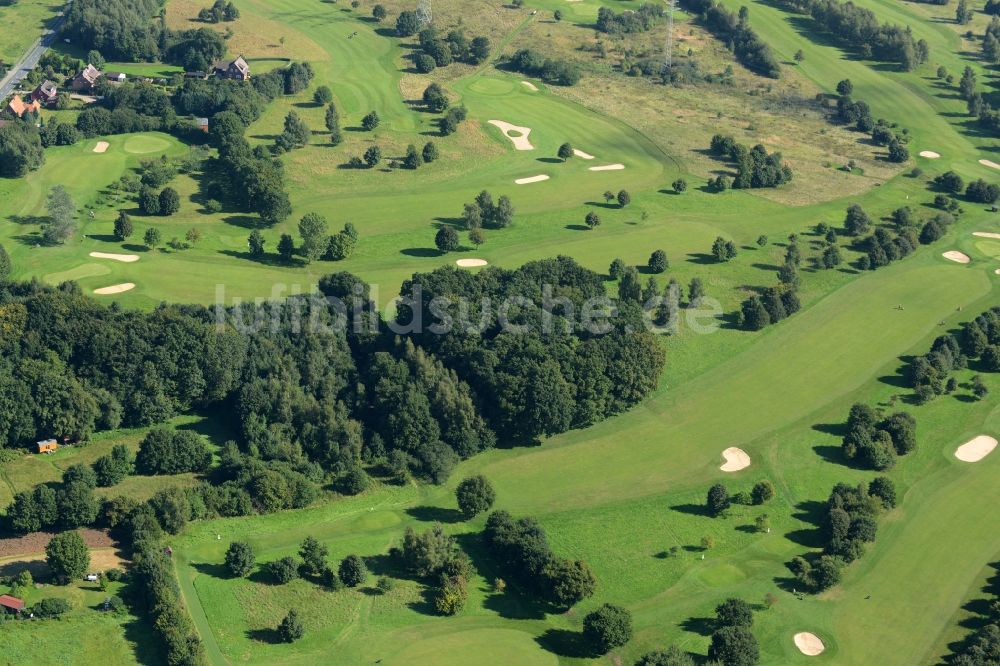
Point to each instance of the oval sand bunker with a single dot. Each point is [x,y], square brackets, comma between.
[736,459]
[985,234]
[930,154]
[990,164]
[116,289]
[608,167]
[531,179]
[471,263]
[125,258]
[809,644]
[102,147]
[976,449]
[956,256]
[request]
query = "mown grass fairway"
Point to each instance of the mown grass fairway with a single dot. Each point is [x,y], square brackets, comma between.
[621,494]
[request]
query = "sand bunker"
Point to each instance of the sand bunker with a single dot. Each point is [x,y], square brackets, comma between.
[520,141]
[582,155]
[102,147]
[532,179]
[955,255]
[530,86]
[608,167]
[930,154]
[985,234]
[809,644]
[990,164]
[471,263]
[116,289]
[976,449]
[124,258]
[736,459]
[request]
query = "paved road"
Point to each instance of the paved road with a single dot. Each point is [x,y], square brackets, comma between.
[30,59]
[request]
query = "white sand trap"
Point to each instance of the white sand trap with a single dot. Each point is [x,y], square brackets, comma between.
[955,255]
[608,167]
[976,449]
[116,289]
[124,258]
[930,154]
[531,179]
[102,147]
[530,86]
[809,644]
[736,459]
[471,263]
[997,271]
[985,234]
[582,155]
[520,141]
[990,164]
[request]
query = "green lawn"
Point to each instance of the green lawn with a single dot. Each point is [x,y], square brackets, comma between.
[618,494]
[23,22]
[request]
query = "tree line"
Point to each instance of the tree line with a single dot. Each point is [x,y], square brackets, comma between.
[755,167]
[734,29]
[859,28]
[629,21]
[551,70]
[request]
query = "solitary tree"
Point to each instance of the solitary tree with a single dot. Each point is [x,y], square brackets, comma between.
[680,185]
[658,262]
[170,201]
[379,13]
[286,247]
[734,613]
[291,628]
[735,646]
[624,198]
[763,491]
[430,152]
[59,225]
[123,227]
[474,495]
[152,238]
[593,220]
[323,95]
[718,500]
[373,156]
[313,555]
[67,556]
[845,88]
[352,571]
[256,244]
[314,231]
[565,152]
[370,121]
[446,239]
[608,627]
[240,559]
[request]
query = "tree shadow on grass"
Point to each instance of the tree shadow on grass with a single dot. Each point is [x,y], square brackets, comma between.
[244,221]
[212,569]
[703,626]
[28,219]
[266,260]
[269,636]
[835,429]
[423,252]
[457,222]
[701,258]
[831,454]
[601,204]
[809,511]
[692,509]
[577,227]
[566,643]
[550,160]
[435,514]
[513,603]
[424,605]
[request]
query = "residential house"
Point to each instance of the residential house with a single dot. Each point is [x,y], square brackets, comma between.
[202,124]
[18,107]
[47,446]
[237,70]
[46,93]
[85,80]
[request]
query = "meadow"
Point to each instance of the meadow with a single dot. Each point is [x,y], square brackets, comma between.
[622,493]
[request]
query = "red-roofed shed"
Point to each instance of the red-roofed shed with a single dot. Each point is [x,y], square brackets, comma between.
[12,604]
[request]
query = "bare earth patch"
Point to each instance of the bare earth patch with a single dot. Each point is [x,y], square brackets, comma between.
[124,258]
[956,256]
[115,289]
[530,86]
[985,234]
[582,155]
[531,179]
[471,263]
[929,154]
[517,135]
[809,644]
[608,167]
[37,541]
[990,164]
[976,449]
[102,147]
[736,459]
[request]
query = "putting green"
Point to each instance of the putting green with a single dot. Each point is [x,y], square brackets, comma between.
[490,647]
[78,273]
[144,144]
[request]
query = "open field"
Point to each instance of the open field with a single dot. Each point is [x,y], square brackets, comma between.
[621,494]
[23,23]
